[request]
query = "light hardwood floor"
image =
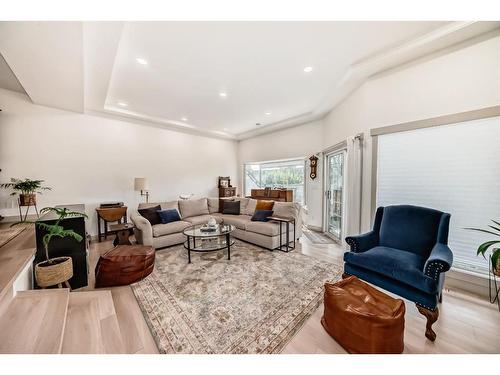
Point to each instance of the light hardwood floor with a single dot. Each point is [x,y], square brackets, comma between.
[467,324]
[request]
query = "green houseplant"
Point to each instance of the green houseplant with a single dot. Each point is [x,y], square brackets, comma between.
[58,270]
[495,253]
[27,189]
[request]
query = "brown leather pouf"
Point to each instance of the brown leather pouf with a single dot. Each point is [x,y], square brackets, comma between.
[124,265]
[363,319]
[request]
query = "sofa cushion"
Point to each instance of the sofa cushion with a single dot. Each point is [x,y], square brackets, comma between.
[231,208]
[193,207]
[239,221]
[250,208]
[262,215]
[151,214]
[169,216]
[213,205]
[286,209]
[203,219]
[396,264]
[170,228]
[264,205]
[265,228]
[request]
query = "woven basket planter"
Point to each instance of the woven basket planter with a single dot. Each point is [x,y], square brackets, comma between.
[57,271]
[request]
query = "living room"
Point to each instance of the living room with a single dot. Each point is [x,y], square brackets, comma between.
[249,186]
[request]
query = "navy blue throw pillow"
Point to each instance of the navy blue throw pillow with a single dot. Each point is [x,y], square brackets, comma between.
[262,215]
[169,216]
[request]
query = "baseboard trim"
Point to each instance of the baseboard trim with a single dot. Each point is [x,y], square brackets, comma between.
[467,281]
[315,228]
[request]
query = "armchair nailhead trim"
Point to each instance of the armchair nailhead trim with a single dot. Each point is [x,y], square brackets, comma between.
[434,270]
[352,243]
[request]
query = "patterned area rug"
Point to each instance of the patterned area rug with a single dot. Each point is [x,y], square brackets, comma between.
[253,303]
[8,234]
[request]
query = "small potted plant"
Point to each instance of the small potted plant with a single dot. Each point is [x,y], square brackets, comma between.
[58,270]
[27,190]
[495,253]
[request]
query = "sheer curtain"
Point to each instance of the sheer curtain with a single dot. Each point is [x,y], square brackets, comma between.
[354,170]
[453,168]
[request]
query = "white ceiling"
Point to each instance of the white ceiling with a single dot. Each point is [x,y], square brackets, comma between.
[92,67]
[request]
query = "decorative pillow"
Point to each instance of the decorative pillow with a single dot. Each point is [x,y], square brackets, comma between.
[151,214]
[221,203]
[262,215]
[264,205]
[193,207]
[250,209]
[231,208]
[169,216]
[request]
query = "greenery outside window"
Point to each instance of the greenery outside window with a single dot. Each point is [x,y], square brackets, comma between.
[288,174]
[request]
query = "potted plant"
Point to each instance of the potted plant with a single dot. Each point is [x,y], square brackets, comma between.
[495,253]
[58,270]
[27,190]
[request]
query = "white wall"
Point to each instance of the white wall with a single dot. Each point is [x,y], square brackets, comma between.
[464,78]
[89,159]
[297,142]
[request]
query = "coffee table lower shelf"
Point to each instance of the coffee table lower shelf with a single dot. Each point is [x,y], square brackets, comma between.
[192,246]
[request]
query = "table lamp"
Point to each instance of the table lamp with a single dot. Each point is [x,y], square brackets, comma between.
[141,184]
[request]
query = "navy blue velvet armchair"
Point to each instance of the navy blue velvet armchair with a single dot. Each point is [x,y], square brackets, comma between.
[407,254]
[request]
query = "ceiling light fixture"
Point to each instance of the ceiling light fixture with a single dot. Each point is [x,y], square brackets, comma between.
[122,104]
[184,119]
[268,113]
[223,94]
[141,61]
[308,69]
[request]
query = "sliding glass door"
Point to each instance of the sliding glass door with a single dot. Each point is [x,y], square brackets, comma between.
[334,194]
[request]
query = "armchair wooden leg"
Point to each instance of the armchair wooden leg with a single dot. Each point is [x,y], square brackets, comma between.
[432,316]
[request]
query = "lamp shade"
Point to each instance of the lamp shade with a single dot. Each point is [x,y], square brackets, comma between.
[141,183]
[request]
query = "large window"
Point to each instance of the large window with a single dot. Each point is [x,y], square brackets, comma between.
[453,168]
[287,174]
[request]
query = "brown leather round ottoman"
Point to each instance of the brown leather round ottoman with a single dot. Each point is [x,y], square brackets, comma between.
[363,319]
[124,265]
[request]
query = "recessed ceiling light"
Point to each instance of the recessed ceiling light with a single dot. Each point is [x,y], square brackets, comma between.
[122,104]
[268,113]
[222,94]
[257,124]
[184,119]
[141,61]
[308,69]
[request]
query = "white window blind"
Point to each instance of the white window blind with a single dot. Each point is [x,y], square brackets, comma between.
[453,168]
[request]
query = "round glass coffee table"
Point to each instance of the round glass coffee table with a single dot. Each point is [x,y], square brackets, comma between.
[202,241]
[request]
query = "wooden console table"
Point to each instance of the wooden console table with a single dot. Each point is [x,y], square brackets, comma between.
[279,195]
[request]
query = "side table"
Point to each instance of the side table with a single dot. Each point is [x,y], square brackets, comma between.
[286,247]
[123,232]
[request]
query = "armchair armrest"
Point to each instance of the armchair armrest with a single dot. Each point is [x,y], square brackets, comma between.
[440,260]
[144,231]
[362,242]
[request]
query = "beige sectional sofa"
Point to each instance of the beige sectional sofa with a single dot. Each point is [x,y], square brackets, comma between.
[198,211]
